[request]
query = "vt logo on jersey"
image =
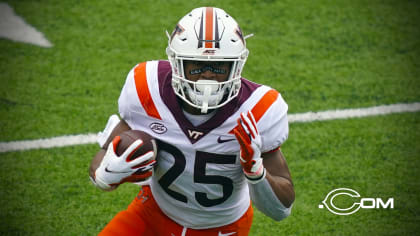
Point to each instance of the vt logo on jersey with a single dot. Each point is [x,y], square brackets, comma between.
[195,134]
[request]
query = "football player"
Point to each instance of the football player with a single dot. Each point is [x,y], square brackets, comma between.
[218,135]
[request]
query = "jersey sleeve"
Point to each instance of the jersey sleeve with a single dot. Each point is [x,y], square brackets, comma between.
[274,125]
[127,97]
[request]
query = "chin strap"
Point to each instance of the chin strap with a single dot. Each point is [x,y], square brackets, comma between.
[206,96]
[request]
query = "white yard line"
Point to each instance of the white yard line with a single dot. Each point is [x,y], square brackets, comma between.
[61,141]
[354,113]
[69,140]
[15,28]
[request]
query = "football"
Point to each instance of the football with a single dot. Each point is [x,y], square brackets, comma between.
[128,137]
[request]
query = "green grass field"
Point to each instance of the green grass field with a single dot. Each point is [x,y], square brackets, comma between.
[320,55]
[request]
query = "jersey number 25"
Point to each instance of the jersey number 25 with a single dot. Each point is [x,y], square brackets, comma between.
[201,159]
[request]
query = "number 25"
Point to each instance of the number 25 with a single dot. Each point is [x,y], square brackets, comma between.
[201,160]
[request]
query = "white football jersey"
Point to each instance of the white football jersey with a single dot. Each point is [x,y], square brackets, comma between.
[198,181]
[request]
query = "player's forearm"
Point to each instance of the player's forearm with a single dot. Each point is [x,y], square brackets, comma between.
[278,176]
[282,188]
[265,200]
[274,195]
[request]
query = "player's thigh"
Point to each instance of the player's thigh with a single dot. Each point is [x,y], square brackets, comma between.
[124,223]
[142,217]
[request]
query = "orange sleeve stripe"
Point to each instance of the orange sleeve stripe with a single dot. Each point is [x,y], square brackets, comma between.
[263,104]
[140,79]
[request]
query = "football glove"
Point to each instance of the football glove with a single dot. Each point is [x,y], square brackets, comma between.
[250,143]
[115,170]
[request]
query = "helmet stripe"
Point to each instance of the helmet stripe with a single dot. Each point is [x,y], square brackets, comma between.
[209,27]
[216,33]
[200,37]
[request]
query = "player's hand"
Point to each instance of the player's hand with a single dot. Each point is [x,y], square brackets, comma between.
[115,170]
[250,141]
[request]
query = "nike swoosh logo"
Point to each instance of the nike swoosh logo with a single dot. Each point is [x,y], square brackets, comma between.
[226,234]
[116,172]
[220,140]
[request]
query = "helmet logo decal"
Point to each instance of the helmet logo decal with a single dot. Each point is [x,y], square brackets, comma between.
[178,30]
[211,29]
[238,31]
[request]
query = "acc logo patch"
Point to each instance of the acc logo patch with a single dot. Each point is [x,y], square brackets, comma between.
[209,52]
[158,128]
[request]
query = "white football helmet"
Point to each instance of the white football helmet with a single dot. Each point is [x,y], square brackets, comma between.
[206,34]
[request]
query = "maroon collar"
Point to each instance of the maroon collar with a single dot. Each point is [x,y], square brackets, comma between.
[195,133]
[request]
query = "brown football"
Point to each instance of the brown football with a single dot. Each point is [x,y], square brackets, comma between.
[128,137]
